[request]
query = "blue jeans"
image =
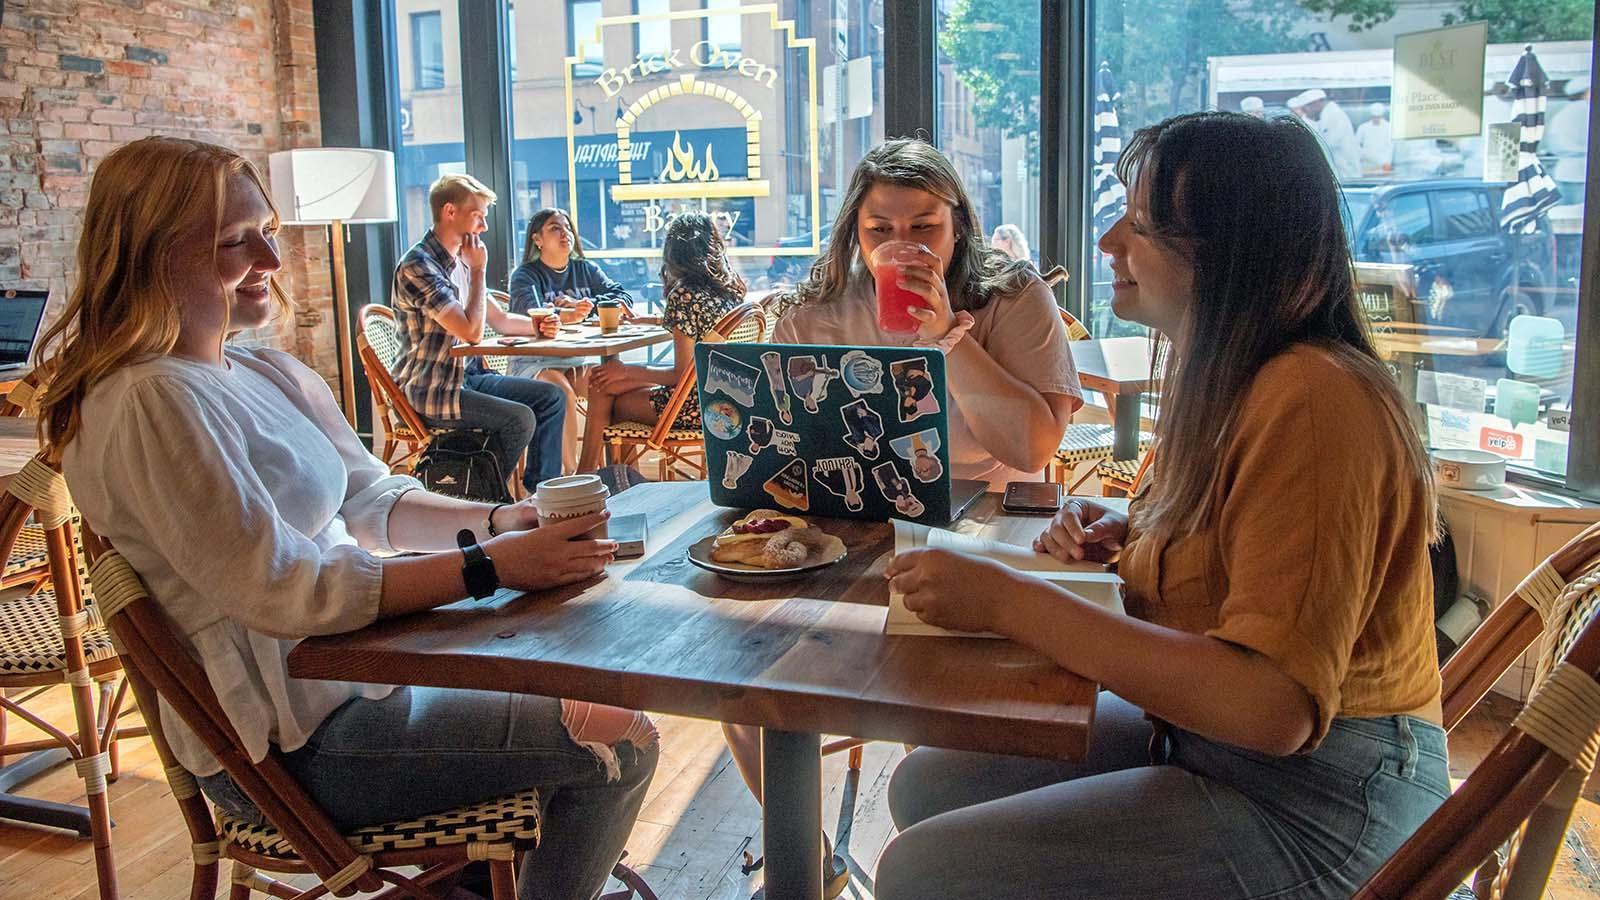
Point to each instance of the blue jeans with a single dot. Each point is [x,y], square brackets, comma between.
[1213,821]
[422,750]
[520,413]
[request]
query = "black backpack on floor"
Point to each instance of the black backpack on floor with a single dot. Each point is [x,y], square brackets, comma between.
[460,464]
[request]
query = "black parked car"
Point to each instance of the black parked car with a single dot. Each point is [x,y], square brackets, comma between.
[1469,272]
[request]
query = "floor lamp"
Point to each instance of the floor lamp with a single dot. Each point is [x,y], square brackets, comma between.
[335,187]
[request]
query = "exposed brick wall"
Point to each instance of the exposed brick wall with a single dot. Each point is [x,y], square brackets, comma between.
[79,78]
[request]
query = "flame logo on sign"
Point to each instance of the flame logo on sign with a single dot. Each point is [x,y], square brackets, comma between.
[682,166]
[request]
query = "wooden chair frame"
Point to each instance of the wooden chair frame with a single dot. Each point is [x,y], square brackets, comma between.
[1524,788]
[401,423]
[39,491]
[627,449]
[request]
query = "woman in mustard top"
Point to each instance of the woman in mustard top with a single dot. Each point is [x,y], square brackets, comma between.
[1279,598]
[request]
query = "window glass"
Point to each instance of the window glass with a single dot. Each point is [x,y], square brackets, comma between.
[653,37]
[427,52]
[1465,214]
[746,136]
[1407,221]
[430,107]
[581,18]
[724,30]
[1470,247]
[511,29]
[988,114]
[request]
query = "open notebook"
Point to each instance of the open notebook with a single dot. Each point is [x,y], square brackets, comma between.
[1090,581]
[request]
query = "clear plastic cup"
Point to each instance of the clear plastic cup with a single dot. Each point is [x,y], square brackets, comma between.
[894,300]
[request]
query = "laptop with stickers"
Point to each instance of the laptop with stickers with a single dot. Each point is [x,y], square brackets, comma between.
[847,432]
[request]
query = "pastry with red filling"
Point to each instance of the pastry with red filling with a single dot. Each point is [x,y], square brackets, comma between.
[768,539]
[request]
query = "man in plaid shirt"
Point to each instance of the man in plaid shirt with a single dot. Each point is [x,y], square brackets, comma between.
[439,298]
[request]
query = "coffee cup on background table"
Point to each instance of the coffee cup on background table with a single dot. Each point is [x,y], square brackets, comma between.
[610,312]
[570,497]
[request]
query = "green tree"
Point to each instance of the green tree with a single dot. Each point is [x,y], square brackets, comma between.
[994,46]
[1510,21]
[1157,50]
[1523,21]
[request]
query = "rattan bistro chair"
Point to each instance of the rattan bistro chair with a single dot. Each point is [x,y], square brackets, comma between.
[628,441]
[26,564]
[1089,442]
[54,636]
[298,837]
[378,345]
[1527,786]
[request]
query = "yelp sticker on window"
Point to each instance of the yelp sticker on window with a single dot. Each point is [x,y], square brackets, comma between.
[1505,443]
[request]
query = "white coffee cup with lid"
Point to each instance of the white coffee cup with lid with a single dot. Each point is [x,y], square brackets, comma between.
[569,497]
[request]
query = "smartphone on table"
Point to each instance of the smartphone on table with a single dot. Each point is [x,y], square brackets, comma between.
[629,533]
[1040,498]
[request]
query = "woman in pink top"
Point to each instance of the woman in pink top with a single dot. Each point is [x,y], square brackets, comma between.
[1012,387]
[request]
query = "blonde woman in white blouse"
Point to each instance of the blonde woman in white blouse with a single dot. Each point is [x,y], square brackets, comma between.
[229,479]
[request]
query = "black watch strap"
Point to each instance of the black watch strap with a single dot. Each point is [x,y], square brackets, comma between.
[477,569]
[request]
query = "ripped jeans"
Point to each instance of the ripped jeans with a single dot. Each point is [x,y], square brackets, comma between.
[421,750]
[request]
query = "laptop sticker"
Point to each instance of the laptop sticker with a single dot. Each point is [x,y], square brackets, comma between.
[760,433]
[733,378]
[785,442]
[842,477]
[780,394]
[897,490]
[722,420]
[738,464]
[790,488]
[861,373]
[862,428]
[915,387]
[921,450]
[810,380]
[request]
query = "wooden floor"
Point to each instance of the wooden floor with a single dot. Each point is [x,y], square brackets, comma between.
[697,823]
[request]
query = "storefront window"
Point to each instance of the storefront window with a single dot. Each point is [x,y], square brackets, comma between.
[988,113]
[677,106]
[1467,254]
[430,106]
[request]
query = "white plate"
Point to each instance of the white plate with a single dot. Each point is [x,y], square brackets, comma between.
[700,555]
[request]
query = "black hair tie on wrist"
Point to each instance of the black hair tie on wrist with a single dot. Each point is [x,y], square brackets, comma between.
[489,526]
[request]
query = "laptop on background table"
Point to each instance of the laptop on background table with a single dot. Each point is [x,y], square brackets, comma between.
[844,432]
[21,315]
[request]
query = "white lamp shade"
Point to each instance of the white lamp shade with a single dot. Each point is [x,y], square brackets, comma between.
[318,185]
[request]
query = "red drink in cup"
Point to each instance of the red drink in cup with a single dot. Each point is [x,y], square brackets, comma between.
[893,300]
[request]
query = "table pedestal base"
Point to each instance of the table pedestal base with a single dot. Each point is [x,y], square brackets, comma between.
[791,818]
[39,812]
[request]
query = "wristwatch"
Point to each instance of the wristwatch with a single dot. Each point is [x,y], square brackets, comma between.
[477,570]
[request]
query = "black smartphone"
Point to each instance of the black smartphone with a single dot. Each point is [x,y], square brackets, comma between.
[629,533]
[1035,497]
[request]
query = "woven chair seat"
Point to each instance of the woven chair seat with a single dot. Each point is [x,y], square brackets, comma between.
[513,817]
[30,636]
[1124,470]
[1089,441]
[639,431]
[28,553]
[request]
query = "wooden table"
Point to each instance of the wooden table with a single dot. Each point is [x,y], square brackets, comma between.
[1425,344]
[799,659]
[1119,368]
[572,342]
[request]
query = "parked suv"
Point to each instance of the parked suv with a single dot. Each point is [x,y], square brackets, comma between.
[1470,273]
